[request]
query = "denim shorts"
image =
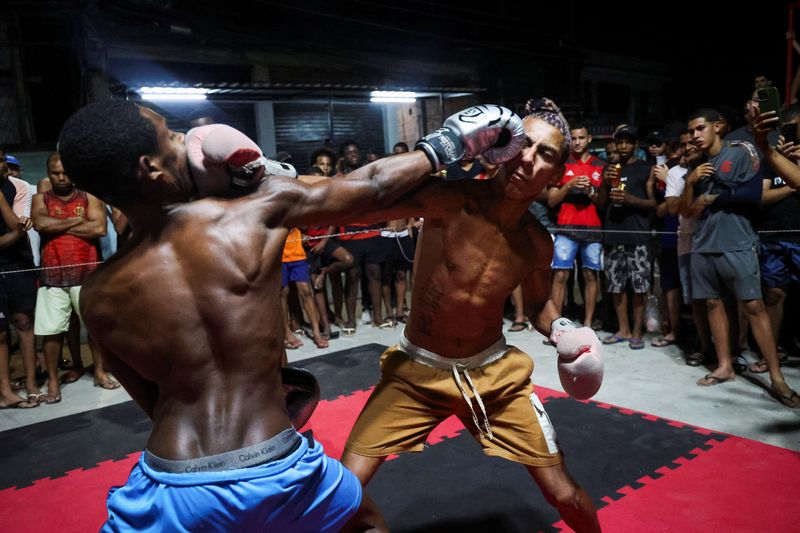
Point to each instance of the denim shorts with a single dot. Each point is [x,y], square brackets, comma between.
[565,249]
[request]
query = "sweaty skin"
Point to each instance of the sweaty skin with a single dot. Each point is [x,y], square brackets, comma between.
[188,312]
[478,244]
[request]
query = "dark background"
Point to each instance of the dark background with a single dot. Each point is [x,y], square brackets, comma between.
[712,51]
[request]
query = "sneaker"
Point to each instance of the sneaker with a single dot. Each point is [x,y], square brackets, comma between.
[739,364]
[366,317]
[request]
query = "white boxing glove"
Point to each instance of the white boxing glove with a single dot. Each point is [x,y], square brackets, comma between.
[492,131]
[221,157]
[580,359]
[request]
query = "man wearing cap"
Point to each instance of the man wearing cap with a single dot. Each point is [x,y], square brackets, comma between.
[626,256]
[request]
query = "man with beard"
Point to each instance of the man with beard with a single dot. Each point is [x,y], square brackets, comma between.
[70,222]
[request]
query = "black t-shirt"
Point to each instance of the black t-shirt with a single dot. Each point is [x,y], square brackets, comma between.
[627,218]
[781,215]
[19,254]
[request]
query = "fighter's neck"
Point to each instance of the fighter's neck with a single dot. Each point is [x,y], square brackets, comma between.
[505,210]
[145,219]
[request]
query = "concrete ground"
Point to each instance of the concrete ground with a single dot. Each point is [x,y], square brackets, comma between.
[652,380]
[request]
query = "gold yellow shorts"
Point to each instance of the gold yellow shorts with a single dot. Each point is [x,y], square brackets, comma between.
[412,398]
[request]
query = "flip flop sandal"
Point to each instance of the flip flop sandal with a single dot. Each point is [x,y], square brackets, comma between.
[792,400]
[636,344]
[662,342]
[348,332]
[713,379]
[50,399]
[615,339]
[108,384]
[519,326]
[18,405]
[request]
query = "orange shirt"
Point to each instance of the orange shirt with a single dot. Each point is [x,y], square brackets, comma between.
[293,249]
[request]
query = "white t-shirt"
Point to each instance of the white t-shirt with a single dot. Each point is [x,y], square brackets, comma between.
[675,184]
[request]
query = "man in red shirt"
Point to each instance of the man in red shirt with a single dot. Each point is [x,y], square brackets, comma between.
[578,225]
[70,221]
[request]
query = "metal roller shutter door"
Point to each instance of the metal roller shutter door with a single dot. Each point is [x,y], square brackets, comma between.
[302,128]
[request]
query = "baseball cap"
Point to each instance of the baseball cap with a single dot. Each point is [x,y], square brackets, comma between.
[11,160]
[626,130]
[655,137]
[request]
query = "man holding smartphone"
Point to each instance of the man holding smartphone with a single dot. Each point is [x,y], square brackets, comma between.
[779,253]
[728,189]
[745,133]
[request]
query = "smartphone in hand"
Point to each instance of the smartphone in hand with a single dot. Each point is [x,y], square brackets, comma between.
[768,100]
[789,132]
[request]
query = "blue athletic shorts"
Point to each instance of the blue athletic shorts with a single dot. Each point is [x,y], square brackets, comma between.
[780,263]
[565,249]
[305,491]
[294,271]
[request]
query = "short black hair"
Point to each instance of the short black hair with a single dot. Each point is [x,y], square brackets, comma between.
[346,143]
[100,146]
[322,151]
[711,115]
[400,144]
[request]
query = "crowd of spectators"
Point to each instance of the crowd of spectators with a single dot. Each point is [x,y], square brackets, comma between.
[687,234]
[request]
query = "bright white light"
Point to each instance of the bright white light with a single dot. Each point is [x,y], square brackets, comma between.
[173,97]
[387,100]
[173,93]
[393,97]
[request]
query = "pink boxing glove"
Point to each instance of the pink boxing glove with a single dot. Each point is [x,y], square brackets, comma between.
[580,360]
[221,157]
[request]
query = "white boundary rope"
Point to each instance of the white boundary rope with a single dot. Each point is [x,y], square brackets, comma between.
[370,230]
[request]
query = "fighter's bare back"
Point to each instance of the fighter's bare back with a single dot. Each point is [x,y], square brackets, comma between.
[191,310]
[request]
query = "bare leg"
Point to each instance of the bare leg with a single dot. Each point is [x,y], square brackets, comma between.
[337,292]
[7,396]
[289,339]
[307,300]
[700,315]
[373,271]
[720,331]
[562,492]
[589,295]
[101,376]
[774,299]
[321,303]
[51,346]
[400,285]
[621,307]
[367,518]
[351,295]
[674,311]
[519,308]
[638,314]
[759,322]
[23,323]
[74,342]
[557,292]
[363,467]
